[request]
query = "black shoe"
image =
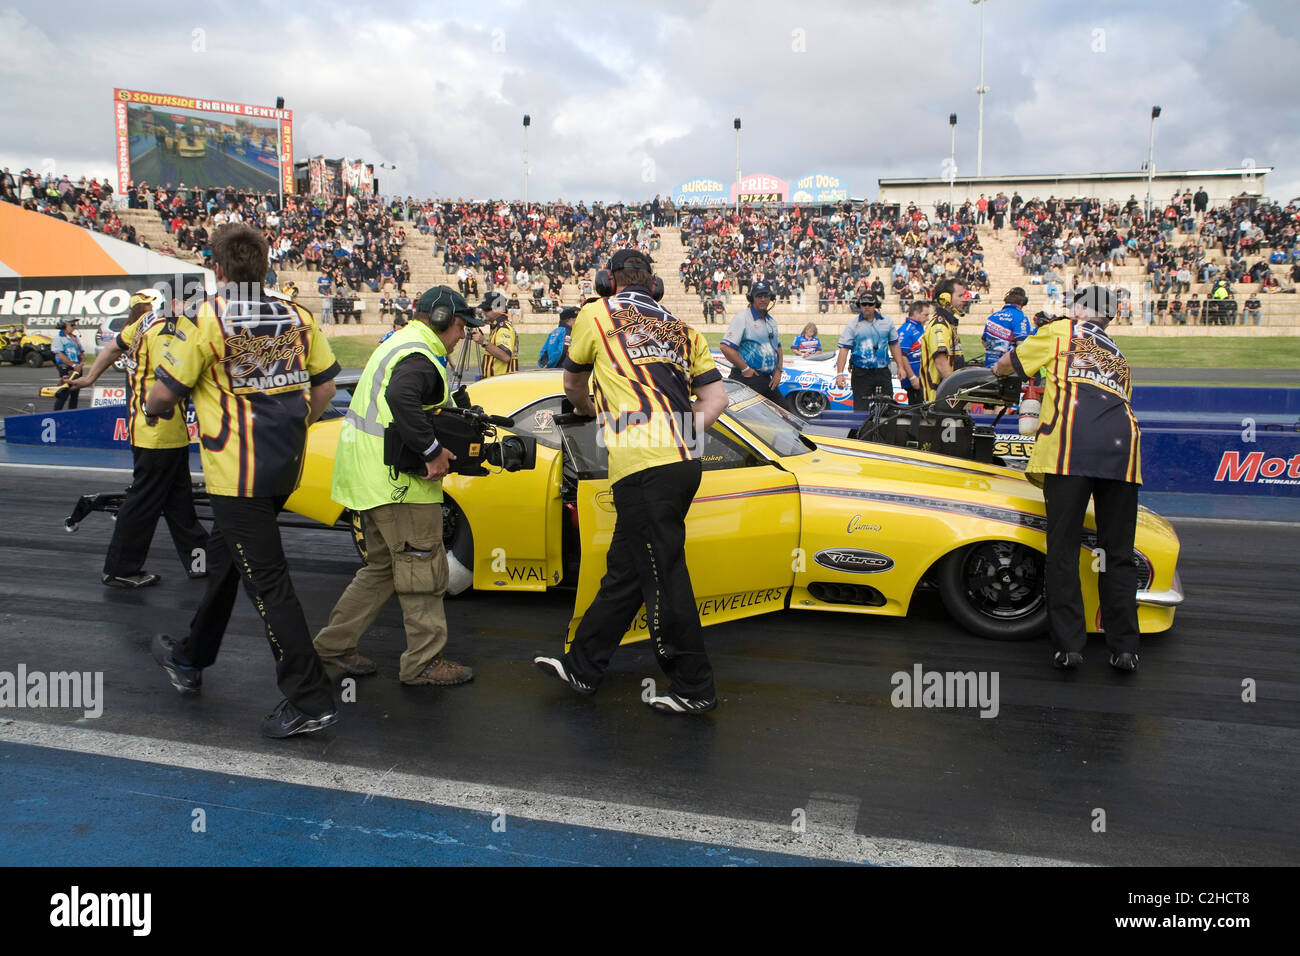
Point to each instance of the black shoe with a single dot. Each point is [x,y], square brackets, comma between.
[554,667]
[196,575]
[1066,660]
[677,704]
[130,582]
[187,680]
[1128,661]
[287,720]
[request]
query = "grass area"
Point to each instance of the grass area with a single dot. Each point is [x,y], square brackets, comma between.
[1141,352]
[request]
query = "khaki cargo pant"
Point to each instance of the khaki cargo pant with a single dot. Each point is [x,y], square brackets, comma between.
[404,553]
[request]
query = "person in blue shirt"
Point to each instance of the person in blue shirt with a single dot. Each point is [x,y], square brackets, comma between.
[399,323]
[753,344]
[909,342]
[68,358]
[869,340]
[556,346]
[1006,327]
[807,342]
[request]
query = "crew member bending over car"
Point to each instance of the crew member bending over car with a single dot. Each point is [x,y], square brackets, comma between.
[1088,446]
[647,363]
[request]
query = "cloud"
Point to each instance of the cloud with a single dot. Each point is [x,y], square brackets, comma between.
[629,101]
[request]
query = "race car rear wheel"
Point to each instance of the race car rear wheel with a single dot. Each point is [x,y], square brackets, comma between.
[34,359]
[995,590]
[807,404]
[456,540]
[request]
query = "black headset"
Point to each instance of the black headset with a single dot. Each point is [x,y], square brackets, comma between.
[442,317]
[604,284]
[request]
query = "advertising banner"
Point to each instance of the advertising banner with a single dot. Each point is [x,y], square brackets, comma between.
[42,302]
[166,139]
[700,192]
[819,188]
[760,188]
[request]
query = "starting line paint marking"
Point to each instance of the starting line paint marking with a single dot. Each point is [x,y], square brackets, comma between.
[830,844]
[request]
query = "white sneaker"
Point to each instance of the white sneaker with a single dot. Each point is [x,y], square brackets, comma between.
[677,704]
[554,667]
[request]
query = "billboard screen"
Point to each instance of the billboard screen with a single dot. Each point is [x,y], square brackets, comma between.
[164,139]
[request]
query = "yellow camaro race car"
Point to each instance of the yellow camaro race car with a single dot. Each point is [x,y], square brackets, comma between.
[781,520]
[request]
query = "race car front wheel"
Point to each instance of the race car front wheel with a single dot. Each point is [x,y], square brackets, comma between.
[807,404]
[995,590]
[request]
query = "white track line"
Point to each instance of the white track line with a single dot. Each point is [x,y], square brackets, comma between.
[819,843]
[80,469]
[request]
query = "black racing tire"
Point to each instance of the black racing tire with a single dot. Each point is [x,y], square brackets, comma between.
[458,541]
[995,589]
[34,359]
[358,534]
[807,404]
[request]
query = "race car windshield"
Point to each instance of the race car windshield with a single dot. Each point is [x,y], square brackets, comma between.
[771,424]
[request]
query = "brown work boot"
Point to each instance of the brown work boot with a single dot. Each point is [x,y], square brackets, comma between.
[352,663]
[442,672]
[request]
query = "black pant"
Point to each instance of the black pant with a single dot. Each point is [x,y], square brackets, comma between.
[866,381]
[159,485]
[1115,507]
[646,564]
[760,382]
[66,397]
[245,543]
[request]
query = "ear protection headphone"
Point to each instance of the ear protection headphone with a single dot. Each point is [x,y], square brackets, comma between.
[945,299]
[604,284]
[442,317]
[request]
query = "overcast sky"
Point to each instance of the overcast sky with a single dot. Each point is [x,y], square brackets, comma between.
[628,100]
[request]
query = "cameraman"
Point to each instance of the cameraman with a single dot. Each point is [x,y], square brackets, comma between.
[401,514]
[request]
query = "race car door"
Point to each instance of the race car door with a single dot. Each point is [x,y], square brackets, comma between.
[742,530]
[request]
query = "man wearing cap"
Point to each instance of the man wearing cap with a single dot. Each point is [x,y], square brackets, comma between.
[1006,327]
[556,346]
[868,341]
[160,482]
[647,363]
[500,343]
[941,352]
[753,344]
[69,360]
[401,514]
[1088,447]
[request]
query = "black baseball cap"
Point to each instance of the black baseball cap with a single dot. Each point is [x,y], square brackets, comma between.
[630,259]
[494,301]
[868,298]
[441,295]
[760,288]
[568,312]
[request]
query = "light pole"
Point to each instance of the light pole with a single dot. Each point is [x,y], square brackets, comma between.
[736,124]
[952,160]
[980,90]
[1151,157]
[279,155]
[528,121]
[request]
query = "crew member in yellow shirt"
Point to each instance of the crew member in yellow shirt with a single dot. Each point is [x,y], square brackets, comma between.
[647,363]
[160,481]
[259,371]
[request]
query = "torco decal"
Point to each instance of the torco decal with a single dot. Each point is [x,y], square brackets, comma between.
[853,560]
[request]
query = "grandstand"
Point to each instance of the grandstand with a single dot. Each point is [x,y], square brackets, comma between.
[424,252]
